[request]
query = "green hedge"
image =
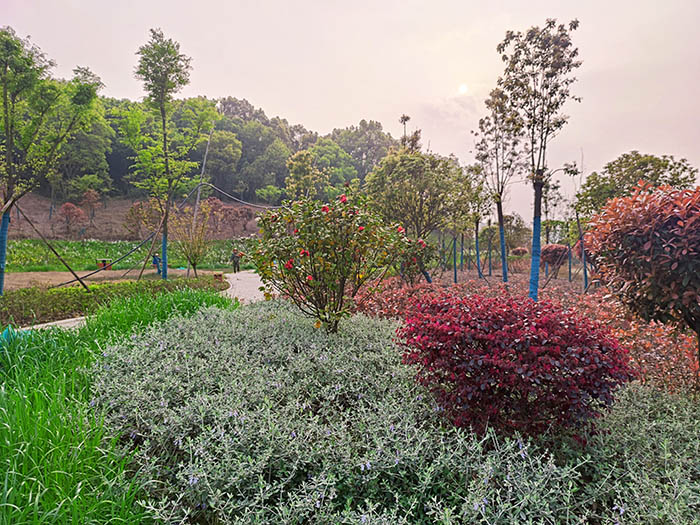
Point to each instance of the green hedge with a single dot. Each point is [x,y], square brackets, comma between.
[29,306]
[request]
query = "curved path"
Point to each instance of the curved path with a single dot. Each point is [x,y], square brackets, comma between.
[242,285]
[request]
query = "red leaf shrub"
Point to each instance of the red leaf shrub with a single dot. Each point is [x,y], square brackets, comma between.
[647,249]
[72,216]
[555,255]
[512,364]
[520,250]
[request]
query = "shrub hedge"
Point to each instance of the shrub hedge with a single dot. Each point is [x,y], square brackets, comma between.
[35,305]
[254,416]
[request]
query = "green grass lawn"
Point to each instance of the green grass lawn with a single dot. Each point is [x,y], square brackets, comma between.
[57,465]
[32,255]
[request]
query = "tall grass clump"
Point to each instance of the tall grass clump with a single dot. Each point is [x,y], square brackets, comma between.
[57,462]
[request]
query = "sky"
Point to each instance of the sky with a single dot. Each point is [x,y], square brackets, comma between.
[330,63]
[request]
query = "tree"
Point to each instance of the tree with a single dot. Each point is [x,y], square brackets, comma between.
[72,216]
[499,152]
[411,188]
[305,180]
[224,153]
[403,120]
[89,201]
[270,194]
[164,71]
[647,251]
[620,178]
[193,237]
[538,78]
[334,161]
[39,115]
[366,143]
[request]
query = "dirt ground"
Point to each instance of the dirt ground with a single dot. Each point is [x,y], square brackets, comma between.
[17,280]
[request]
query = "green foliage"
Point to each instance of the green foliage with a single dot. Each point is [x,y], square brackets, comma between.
[224,153]
[320,255]
[270,194]
[367,144]
[28,306]
[305,180]
[620,178]
[59,465]
[412,188]
[30,255]
[281,423]
[332,160]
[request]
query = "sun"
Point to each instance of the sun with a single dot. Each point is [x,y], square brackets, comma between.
[463,89]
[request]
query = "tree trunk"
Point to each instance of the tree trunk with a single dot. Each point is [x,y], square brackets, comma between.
[454,257]
[476,248]
[502,235]
[4,227]
[164,245]
[536,245]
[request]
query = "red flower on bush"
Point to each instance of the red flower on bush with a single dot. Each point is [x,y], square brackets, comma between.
[343,198]
[512,364]
[361,228]
[325,209]
[289,264]
[309,278]
[296,230]
[304,253]
[400,229]
[421,242]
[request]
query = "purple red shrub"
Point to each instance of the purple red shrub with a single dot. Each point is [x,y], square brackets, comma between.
[520,250]
[555,255]
[512,364]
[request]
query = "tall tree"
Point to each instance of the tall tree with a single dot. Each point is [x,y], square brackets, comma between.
[334,160]
[366,143]
[164,71]
[39,114]
[538,77]
[620,177]
[412,188]
[500,155]
[305,180]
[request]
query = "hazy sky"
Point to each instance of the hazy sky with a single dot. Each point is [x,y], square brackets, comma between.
[330,63]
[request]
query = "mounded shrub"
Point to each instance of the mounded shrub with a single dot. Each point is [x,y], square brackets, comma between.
[554,255]
[255,417]
[519,251]
[512,364]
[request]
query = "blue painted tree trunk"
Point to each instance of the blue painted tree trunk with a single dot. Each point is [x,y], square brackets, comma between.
[490,266]
[502,236]
[536,244]
[4,227]
[164,256]
[585,270]
[461,254]
[454,258]
[476,249]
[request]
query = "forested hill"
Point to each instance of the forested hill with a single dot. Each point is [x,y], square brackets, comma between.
[247,156]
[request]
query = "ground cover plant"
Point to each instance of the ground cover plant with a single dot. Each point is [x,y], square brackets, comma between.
[35,305]
[278,422]
[57,462]
[30,255]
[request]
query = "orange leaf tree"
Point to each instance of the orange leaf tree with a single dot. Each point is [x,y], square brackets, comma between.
[647,249]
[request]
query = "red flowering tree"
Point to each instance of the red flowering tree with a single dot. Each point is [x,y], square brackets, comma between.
[319,256]
[72,216]
[512,364]
[554,255]
[647,250]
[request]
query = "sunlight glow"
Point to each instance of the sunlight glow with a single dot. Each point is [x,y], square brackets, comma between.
[463,89]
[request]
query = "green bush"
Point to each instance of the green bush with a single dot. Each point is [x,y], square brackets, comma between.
[319,255]
[255,417]
[28,306]
[57,463]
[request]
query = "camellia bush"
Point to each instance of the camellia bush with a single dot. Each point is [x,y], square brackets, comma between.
[554,255]
[511,364]
[647,249]
[413,259]
[319,255]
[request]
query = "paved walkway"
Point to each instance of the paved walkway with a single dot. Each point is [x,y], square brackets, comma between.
[243,285]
